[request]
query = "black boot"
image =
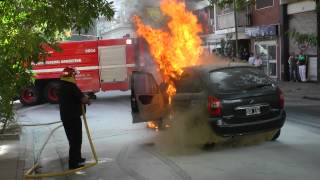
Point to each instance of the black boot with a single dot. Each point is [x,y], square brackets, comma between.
[75,166]
[82,161]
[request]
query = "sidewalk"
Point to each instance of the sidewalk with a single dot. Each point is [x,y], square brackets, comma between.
[11,166]
[297,93]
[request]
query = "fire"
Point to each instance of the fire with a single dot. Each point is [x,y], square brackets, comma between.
[153,125]
[175,46]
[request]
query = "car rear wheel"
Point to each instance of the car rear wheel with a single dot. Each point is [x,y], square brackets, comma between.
[30,96]
[276,135]
[51,92]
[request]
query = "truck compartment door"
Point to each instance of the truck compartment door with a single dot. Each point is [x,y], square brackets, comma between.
[147,102]
[113,64]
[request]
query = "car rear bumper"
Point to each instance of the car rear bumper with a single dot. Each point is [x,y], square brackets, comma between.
[227,130]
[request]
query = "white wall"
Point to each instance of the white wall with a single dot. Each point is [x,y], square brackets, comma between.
[300,7]
[118,33]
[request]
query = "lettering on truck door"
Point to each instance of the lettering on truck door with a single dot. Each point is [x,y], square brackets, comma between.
[113,66]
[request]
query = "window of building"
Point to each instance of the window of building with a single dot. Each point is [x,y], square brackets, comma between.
[260,4]
[228,8]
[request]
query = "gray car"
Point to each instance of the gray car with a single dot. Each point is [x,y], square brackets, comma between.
[234,100]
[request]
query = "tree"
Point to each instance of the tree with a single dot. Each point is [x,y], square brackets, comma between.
[237,6]
[308,40]
[25,25]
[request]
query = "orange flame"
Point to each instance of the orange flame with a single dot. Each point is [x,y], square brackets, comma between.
[175,46]
[153,125]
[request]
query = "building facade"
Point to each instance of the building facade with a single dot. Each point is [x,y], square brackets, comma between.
[120,26]
[264,35]
[264,29]
[225,28]
[302,17]
[258,28]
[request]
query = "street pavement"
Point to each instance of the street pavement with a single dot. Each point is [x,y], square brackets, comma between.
[128,151]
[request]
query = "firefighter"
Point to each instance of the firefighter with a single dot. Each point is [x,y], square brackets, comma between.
[71,100]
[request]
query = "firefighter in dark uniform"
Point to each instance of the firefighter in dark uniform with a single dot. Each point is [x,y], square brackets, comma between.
[71,100]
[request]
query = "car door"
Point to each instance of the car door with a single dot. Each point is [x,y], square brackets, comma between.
[147,102]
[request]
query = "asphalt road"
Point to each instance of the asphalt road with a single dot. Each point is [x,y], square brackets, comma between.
[132,152]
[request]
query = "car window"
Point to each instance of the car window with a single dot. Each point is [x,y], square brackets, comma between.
[188,83]
[233,79]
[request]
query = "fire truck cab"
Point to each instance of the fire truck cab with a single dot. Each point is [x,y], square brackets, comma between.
[104,65]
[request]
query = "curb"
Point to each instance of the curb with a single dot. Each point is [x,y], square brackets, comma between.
[311,98]
[14,136]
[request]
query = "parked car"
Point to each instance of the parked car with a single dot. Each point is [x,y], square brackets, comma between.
[234,100]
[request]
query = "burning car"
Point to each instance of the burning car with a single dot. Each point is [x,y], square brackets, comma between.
[234,100]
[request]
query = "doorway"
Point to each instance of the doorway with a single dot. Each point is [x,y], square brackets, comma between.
[267,50]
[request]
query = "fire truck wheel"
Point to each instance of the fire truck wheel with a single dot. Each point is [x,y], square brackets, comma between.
[51,92]
[30,96]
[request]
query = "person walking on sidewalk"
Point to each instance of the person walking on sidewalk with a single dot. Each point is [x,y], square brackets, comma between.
[302,63]
[251,59]
[293,67]
[258,62]
[71,100]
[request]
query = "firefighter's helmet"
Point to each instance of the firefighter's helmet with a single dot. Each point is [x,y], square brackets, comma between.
[69,72]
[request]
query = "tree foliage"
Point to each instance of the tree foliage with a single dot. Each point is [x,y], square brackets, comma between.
[25,25]
[303,38]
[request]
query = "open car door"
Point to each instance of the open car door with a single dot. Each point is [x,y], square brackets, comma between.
[147,102]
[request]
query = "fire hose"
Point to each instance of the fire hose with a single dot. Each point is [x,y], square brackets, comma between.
[30,174]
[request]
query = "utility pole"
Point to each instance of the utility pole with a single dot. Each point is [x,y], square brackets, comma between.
[236,25]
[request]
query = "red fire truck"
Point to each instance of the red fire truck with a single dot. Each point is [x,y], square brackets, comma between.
[103,65]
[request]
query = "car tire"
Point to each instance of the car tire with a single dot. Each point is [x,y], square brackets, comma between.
[30,96]
[50,92]
[276,135]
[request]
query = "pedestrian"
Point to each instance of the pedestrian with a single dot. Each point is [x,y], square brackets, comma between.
[258,62]
[251,60]
[293,67]
[302,64]
[245,55]
[71,100]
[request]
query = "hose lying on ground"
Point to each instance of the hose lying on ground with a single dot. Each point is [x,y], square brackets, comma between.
[40,124]
[30,174]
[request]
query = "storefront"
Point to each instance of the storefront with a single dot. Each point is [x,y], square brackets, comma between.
[305,23]
[265,45]
[267,50]
[300,17]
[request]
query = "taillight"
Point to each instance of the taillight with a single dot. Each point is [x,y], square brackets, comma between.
[281,98]
[214,106]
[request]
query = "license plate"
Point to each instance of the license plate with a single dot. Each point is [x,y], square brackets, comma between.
[254,110]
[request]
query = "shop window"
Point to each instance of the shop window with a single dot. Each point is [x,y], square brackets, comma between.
[272,51]
[260,4]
